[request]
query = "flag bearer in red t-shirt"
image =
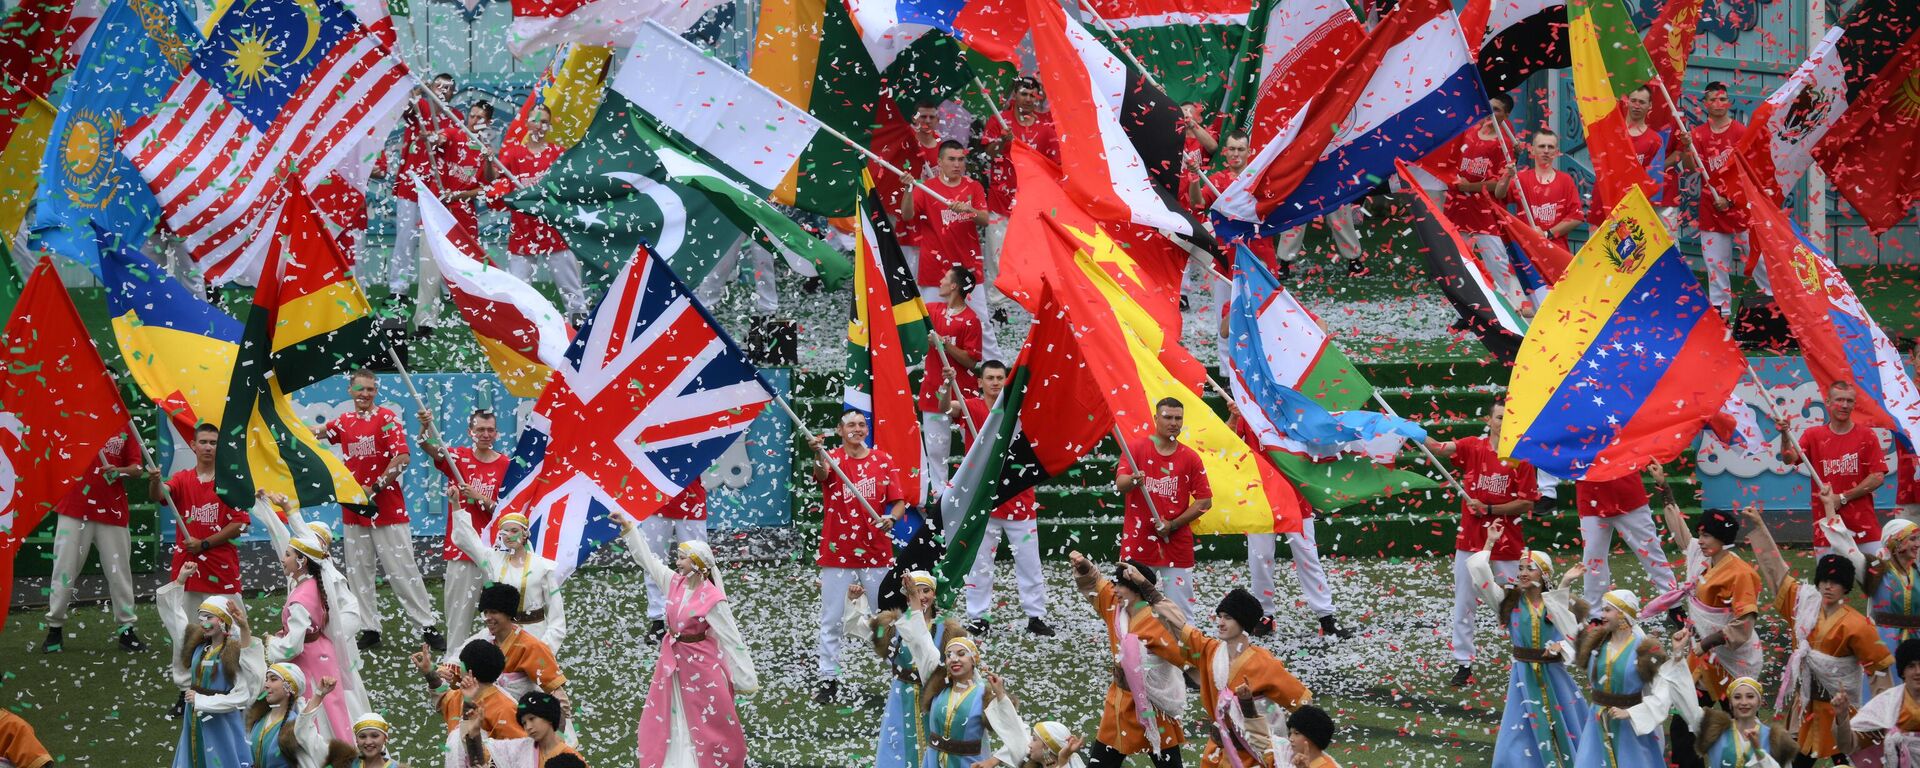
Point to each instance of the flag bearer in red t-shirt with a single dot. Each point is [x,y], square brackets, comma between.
[855,545]
[483,469]
[1848,466]
[947,235]
[1016,520]
[1158,534]
[94,516]
[1497,489]
[1709,149]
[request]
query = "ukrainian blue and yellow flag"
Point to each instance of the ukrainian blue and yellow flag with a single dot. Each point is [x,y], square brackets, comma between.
[180,350]
[1625,361]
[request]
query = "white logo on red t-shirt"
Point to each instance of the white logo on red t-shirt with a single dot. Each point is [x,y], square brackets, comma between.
[1546,212]
[204,513]
[1162,486]
[484,488]
[1845,465]
[1478,166]
[1495,484]
[115,443]
[951,217]
[362,446]
[866,487]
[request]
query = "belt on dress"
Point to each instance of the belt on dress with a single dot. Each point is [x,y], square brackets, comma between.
[1896,620]
[1615,700]
[1536,655]
[690,638]
[534,616]
[957,747]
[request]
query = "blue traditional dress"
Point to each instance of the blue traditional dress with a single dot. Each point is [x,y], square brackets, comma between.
[913,655]
[1613,671]
[213,729]
[959,719]
[1544,709]
[265,735]
[1730,750]
[1895,604]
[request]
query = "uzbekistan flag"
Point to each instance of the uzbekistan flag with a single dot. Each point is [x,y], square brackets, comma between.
[1410,89]
[1626,361]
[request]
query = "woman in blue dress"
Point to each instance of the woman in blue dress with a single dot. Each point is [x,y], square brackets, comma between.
[220,665]
[908,638]
[1632,689]
[1543,713]
[1893,584]
[284,724]
[1741,739]
[961,705]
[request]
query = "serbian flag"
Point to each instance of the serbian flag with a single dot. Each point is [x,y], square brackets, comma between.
[1410,89]
[522,333]
[1873,154]
[1120,138]
[1625,363]
[58,408]
[1839,339]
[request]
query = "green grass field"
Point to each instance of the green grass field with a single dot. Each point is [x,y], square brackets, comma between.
[96,705]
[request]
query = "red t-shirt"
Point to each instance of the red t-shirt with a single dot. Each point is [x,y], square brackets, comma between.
[946,238]
[1843,461]
[95,498]
[1000,178]
[1715,150]
[485,478]
[203,514]
[414,158]
[1261,247]
[1552,202]
[1611,498]
[1647,147]
[527,235]
[370,441]
[1490,480]
[1480,159]
[962,328]
[1176,482]
[460,170]
[848,536]
[1020,507]
[1907,479]
[691,504]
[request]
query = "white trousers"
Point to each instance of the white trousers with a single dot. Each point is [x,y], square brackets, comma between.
[462,595]
[1716,248]
[1306,566]
[565,268]
[1868,548]
[1177,585]
[936,437]
[1023,537]
[662,534]
[1346,237]
[371,548]
[1493,253]
[1464,599]
[766,292]
[833,609]
[1636,530]
[405,257]
[72,538]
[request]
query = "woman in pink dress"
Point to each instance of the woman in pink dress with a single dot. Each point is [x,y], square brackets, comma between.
[320,618]
[690,720]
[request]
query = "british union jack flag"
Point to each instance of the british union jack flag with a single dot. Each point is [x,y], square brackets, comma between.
[651,393]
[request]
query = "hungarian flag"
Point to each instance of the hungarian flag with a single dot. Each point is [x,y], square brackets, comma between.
[1519,38]
[523,335]
[309,322]
[1609,61]
[1840,340]
[1289,49]
[1120,137]
[539,24]
[1186,45]
[886,334]
[1050,414]
[818,64]
[58,407]
[1462,278]
[1873,154]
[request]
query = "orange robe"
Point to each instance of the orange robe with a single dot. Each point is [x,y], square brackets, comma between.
[1119,727]
[1256,668]
[499,715]
[529,655]
[1734,586]
[1842,632]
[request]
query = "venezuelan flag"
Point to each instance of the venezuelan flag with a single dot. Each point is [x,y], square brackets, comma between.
[1609,62]
[1625,361]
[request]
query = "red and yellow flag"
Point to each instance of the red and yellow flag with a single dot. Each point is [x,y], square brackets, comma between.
[1609,62]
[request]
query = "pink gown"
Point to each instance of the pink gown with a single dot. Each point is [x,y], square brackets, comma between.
[317,658]
[697,672]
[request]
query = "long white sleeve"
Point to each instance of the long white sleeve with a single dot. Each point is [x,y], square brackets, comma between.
[313,743]
[469,541]
[556,606]
[292,639]
[170,601]
[1480,570]
[1559,606]
[276,530]
[1009,731]
[733,647]
[858,624]
[505,753]
[649,561]
[248,680]
[918,638]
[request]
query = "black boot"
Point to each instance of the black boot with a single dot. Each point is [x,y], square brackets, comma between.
[1462,676]
[1356,268]
[1038,626]
[131,642]
[179,707]
[826,693]
[979,626]
[432,637]
[55,638]
[1328,626]
[1285,272]
[369,639]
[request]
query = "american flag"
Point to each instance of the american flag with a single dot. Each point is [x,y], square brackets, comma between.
[650,394]
[281,94]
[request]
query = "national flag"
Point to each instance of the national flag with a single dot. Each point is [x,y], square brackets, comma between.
[58,407]
[1186,45]
[33,50]
[992,28]
[1609,62]
[1840,341]
[1120,138]
[1876,30]
[1626,361]
[1546,257]
[143,46]
[886,334]
[1304,401]
[1521,37]
[1669,44]
[281,94]
[1150,267]
[539,24]
[625,183]
[820,66]
[1136,364]
[10,284]
[1872,154]
[1289,49]
[1461,276]
[1798,114]
[1410,89]
[309,322]
[651,393]
[1050,414]
[519,329]
[570,89]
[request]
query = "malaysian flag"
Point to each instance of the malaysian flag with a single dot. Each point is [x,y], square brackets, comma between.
[650,394]
[280,95]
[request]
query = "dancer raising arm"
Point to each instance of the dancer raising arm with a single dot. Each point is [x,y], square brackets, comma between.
[1147,696]
[960,711]
[1736,737]
[321,618]
[1544,711]
[542,611]
[220,665]
[1235,676]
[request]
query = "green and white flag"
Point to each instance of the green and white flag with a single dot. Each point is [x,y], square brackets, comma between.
[1188,46]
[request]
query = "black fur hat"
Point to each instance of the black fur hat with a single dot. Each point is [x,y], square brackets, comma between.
[500,598]
[1314,723]
[1722,525]
[543,705]
[1836,569]
[483,660]
[1138,588]
[1241,606]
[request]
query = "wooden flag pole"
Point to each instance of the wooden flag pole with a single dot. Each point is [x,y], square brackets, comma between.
[453,467]
[959,395]
[1509,147]
[1451,480]
[488,152]
[1819,483]
[1127,455]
